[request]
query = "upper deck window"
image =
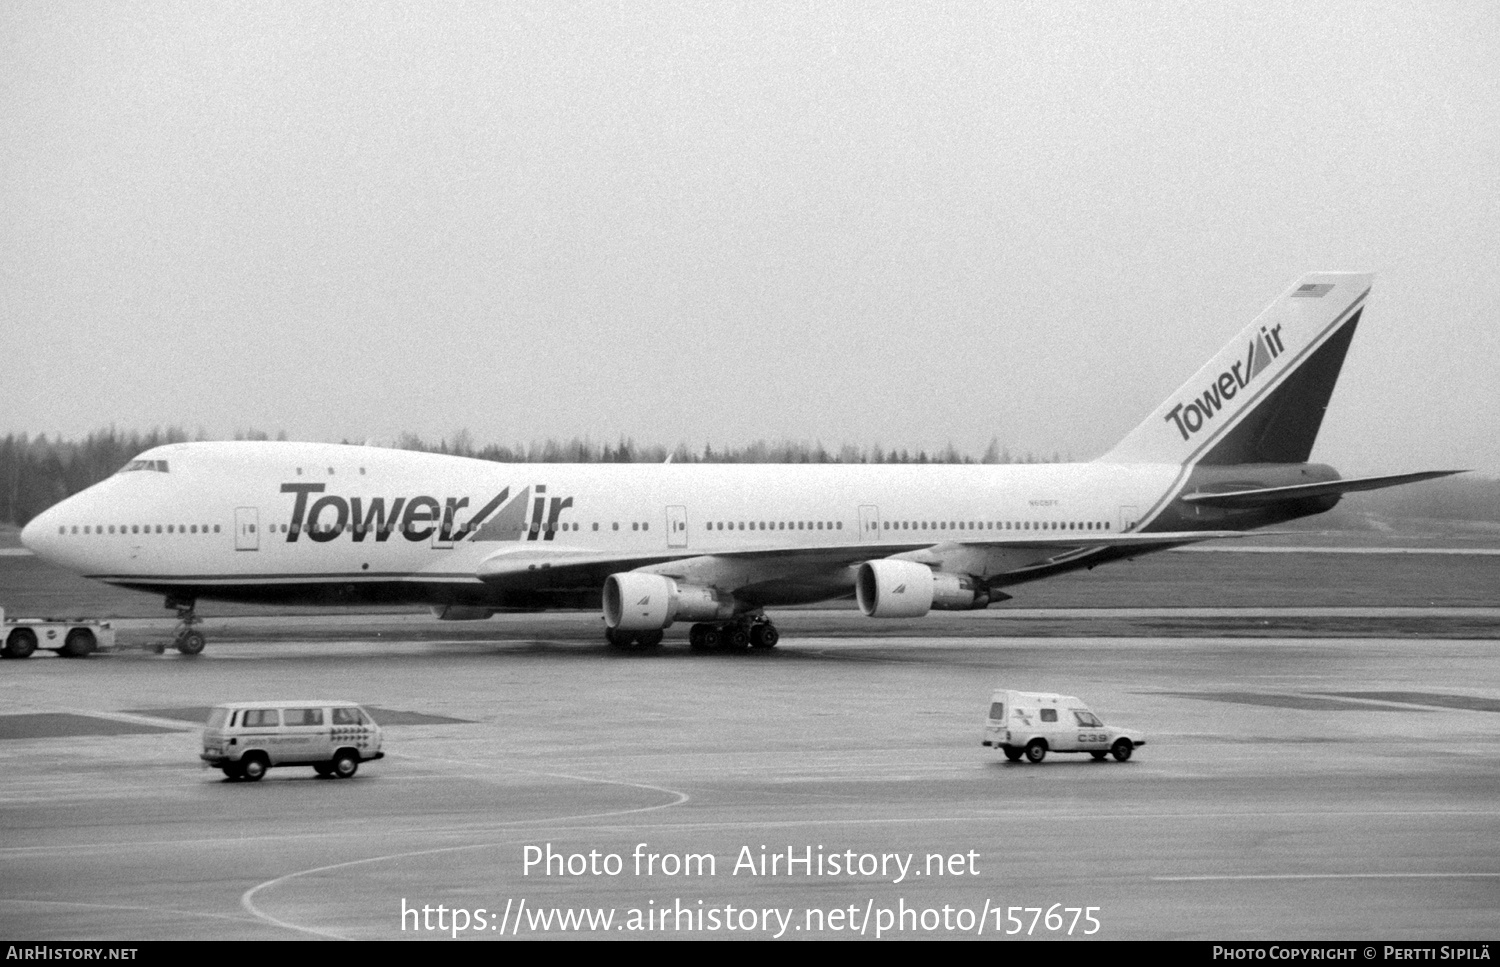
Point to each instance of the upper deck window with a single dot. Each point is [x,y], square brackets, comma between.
[157,466]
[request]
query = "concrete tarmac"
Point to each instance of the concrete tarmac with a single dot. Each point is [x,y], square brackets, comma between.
[1291,788]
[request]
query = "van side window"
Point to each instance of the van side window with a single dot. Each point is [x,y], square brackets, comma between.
[1049,715]
[347,716]
[997,710]
[260,717]
[302,716]
[1087,719]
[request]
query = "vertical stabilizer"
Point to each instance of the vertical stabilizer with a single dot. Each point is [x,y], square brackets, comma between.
[1262,398]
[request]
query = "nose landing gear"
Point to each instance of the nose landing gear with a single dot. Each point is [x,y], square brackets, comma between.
[185,638]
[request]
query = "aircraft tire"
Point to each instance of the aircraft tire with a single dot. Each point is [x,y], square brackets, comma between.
[345,764]
[1121,750]
[253,767]
[764,636]
[735,637]
[20,644]
[191,643]
[650,639]
[1036,751]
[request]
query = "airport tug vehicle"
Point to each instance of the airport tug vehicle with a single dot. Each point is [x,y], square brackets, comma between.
[1031,724]
[69,637]
[245,739]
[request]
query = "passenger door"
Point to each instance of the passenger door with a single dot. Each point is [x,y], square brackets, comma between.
[677,528]
[307,735]
[1092,736]
[246,529]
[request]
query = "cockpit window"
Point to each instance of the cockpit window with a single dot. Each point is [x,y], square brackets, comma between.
[156,466]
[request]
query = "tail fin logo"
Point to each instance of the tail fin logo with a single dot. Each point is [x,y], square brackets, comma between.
[1192,416]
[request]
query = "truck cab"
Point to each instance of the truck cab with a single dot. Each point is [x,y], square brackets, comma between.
[1031,724]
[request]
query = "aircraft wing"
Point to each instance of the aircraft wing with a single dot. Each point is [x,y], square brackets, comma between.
[579,567]
[1270,495]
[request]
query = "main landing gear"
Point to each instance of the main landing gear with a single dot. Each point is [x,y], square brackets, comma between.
[185,638]
[752,632]
[618,638]
[745,632]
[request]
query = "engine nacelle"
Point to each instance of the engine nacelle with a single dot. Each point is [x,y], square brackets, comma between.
[638,601]
[890,588]
[461,612]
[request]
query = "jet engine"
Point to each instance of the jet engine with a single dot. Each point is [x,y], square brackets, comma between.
[638,601]
[890,588]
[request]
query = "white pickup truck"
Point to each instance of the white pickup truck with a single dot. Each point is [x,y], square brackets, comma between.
[1035,723]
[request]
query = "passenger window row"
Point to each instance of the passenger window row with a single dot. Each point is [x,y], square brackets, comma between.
[138,529]
[1029,525]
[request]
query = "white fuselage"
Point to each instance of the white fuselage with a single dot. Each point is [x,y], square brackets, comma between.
[261,514]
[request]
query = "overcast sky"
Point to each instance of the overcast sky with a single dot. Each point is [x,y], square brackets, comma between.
[895,224]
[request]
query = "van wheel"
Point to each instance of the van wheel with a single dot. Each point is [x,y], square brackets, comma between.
[1098,756]
[345,764]
[1121,750]
[1036,750]
[20,644]
[1014,755]
[79,643]
[253,767]
[323,769]
[231,772]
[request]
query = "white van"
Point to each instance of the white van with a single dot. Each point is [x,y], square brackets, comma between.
[1035,723]
[246,738]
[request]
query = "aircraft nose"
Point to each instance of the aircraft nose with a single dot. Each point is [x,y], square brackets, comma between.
[40,534]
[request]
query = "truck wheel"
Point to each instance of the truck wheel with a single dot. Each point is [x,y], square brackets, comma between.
[191,643]
[253,767]
[80,643]
[1014,755]
[1036,750]
[1121,750]
[345,764]
[20,644]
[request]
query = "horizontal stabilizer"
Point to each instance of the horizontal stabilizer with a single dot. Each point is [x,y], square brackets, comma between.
[1262,496]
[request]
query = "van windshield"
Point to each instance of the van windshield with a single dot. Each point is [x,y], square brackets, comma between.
[217,717]
[1086,718]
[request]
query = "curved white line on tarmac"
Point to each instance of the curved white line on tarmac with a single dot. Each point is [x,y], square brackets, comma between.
[132,909]
[1330,876]
[247,899]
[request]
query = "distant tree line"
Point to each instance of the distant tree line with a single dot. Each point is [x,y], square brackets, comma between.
[37,472]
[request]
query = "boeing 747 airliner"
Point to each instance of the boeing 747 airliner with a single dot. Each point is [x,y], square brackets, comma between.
[716,545]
